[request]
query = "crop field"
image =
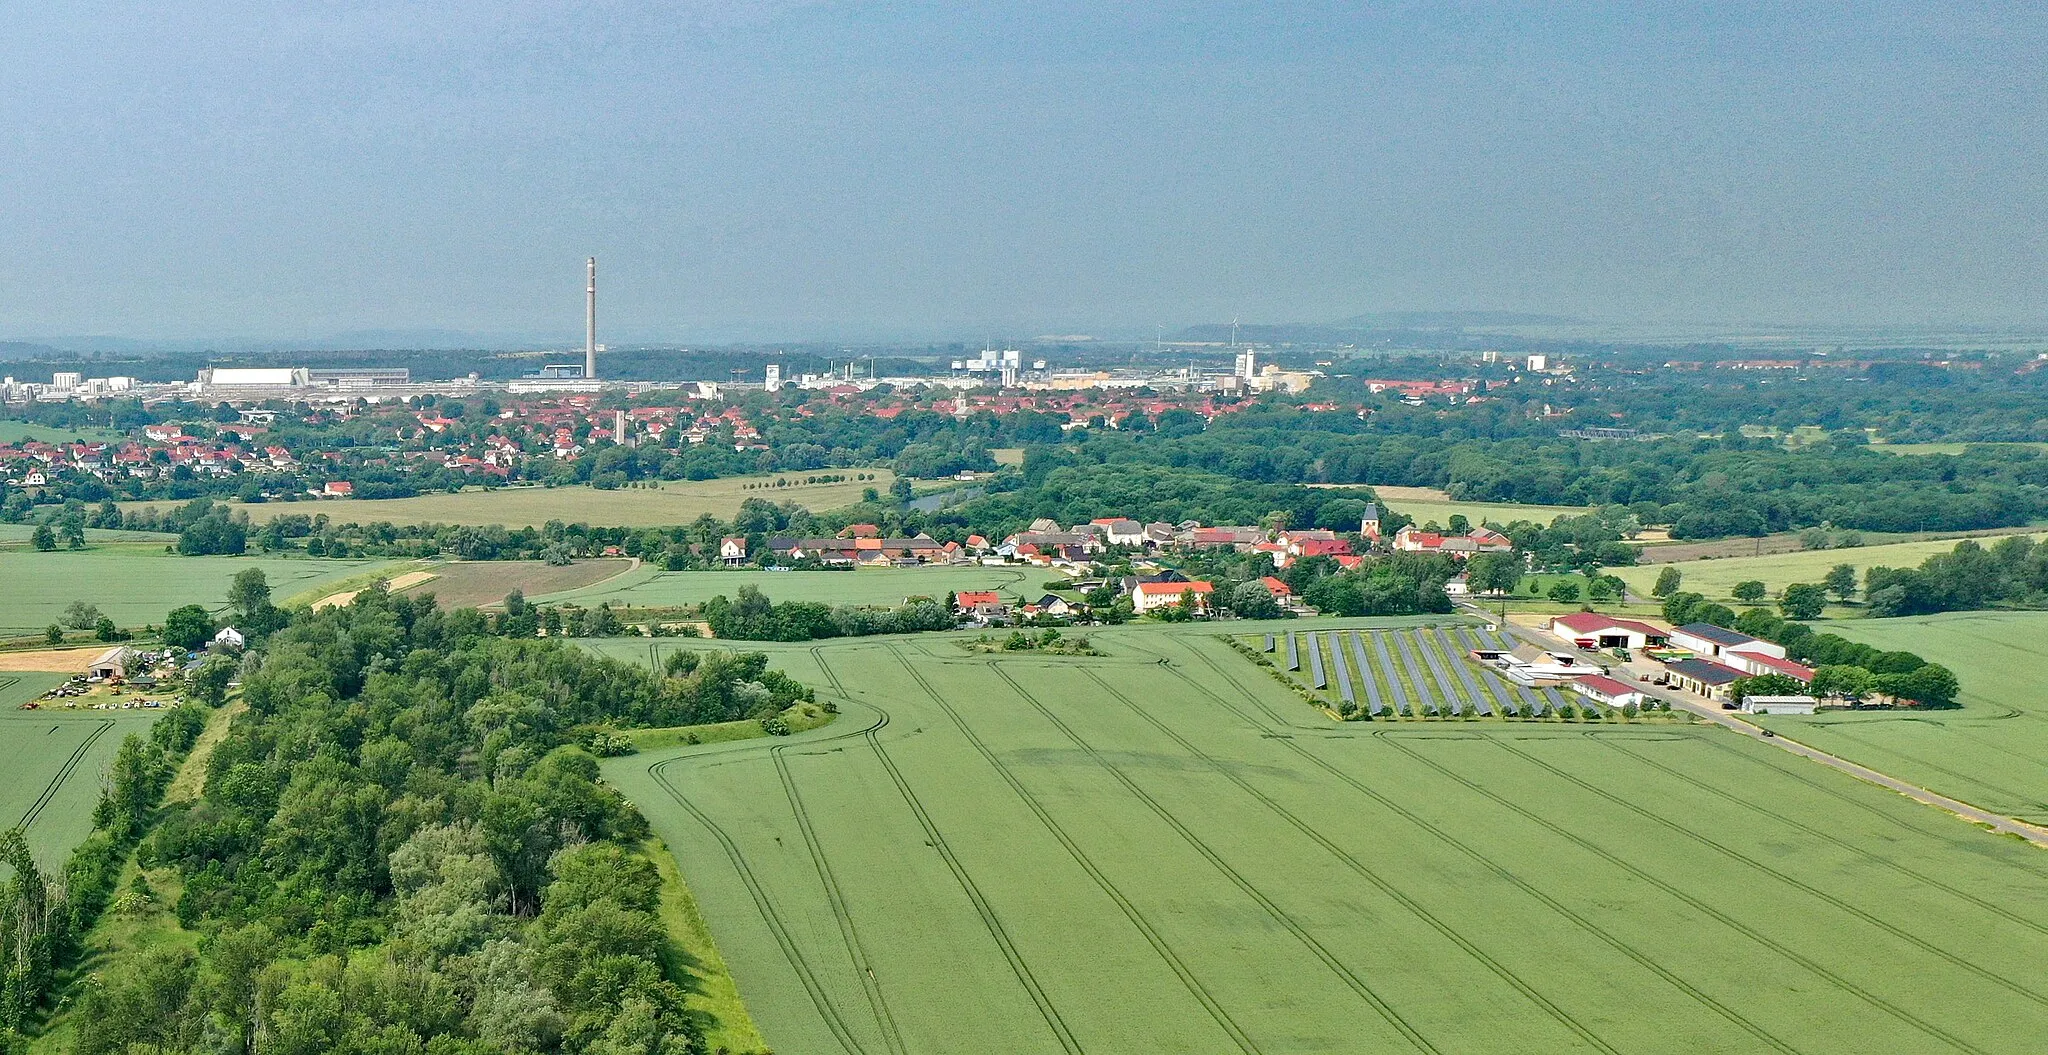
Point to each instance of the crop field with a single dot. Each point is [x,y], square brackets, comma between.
[51,763]
[1993,751]
[1428,504]
[1413,672]
[651,587]
[1715,578]
[1165,849]
[469,584]
[21,534]
[673,502]
[136,585]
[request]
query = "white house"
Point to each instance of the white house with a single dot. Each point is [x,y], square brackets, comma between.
[1152,596]
[732,550]
[1120,531]
[228,638]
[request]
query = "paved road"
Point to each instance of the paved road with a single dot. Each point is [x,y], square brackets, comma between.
[1711,711]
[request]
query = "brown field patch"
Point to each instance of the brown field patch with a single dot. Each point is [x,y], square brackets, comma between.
[51,660]
[475,584]
[395,584]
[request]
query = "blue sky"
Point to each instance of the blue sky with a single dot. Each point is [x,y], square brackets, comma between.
[799,170]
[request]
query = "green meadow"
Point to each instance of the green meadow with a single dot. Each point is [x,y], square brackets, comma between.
[135,585]
[1168,849]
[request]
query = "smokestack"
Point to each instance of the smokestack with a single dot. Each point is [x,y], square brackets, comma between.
[590,325]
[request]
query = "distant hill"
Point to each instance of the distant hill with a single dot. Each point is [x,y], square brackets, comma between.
[1451,320]
[1432,324]
[11,351]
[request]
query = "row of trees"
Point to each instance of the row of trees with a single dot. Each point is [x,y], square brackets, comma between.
[753,617]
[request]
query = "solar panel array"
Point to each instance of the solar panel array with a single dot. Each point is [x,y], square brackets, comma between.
[1338,666]
[1420,671]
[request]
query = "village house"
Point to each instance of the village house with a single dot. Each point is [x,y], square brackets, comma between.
[1119,531]
[1478,540]
[982,606]
[732,551]
[1152,596]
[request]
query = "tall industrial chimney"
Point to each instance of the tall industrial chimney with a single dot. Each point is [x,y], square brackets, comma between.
[590,325]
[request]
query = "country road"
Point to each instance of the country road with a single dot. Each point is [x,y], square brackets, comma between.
[1733,721]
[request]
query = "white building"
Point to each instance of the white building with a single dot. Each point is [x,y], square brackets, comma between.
[1780,704]
[1152,596]
[1609,691]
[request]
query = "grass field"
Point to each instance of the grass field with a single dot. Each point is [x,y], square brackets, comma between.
[651,587]
[674,502]
[17,431]
[1427,503]
[1993,752]
[1715,578]
[51,764]
[137,585]
[1164,849]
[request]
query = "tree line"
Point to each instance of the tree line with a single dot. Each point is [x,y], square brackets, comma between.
[401,845]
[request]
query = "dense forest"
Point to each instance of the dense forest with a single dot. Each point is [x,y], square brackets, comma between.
[401,846]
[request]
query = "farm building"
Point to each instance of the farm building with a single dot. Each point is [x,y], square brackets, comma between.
[732,550]
[1152,596]
[1595,631]
[1530,665]
[1758,663]
[228,638]
[1609,691]
[112,665]
[1703,677]
[1780,704]
[1712,641]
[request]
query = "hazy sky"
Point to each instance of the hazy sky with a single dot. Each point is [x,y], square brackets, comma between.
[792,169]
